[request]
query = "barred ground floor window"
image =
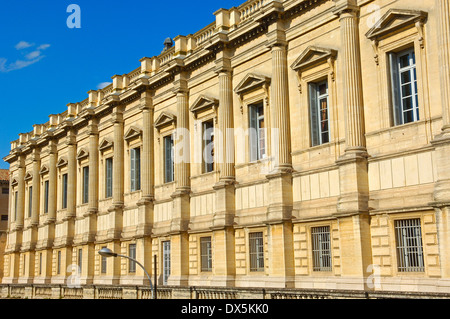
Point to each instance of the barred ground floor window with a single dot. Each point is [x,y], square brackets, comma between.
[409,245]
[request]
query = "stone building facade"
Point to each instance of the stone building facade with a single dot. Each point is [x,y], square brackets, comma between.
[4,198]
[325,127]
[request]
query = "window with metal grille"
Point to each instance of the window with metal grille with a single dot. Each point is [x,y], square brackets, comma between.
[206,253]
[5,191]
[409,245]
[166,261]
[132,254]
[321,250]
[256,242]
[59,263]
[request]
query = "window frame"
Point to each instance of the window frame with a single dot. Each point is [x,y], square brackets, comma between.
[109,177]
[208,142]
[317,135]
[64,190]
[255,137]
[321,252]
[403,262]
[132,254]
[85,185]
[135,169]
[206,263]
[256,250]
[171,172]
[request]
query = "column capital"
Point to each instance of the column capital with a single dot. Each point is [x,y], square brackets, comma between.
[146,100]
[346,7]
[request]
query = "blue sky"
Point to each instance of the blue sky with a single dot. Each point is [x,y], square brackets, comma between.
[44,64]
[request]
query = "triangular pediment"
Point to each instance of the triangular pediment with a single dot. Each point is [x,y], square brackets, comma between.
[165,119]
[202,103]
[251,82]
[44,170]
[105,144]
[132,132]
[14,182]
[311,56]
[61,162]
[82,153]
[28,176]
[393,20]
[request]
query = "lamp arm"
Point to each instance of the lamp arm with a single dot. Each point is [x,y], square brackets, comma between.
[145,271]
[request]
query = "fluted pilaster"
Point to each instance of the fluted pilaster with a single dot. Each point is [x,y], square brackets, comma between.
[118,164]
[182,145]
[71,174]
[444,59]
[36,188]
[20,194]
[226,144]
[52,179]
[147,146]
[352,81]
[93,166]
[280,103]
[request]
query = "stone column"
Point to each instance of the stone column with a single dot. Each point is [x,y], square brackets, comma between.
[20,194]
[52,180]
[93,166]
[279,212]
[118,160]
[224,261]
[181,200]
[352,208]
[71,174]
[443,7]
[442,142]
[35,200]
[148,166]
[352,81]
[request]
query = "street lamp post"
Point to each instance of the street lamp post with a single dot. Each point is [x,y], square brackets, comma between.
[106,252]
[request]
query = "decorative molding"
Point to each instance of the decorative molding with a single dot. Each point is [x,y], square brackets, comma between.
[82,153]
[132,132]
[105,144]
[28,176]
[252,82]
[202,103]
[44,170]
[165,119]
[312,56]
[61,162]
[397,19]
[14,182]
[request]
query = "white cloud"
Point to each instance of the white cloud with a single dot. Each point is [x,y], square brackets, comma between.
[33,55]
[103,85]
[19,64]
[43,47]
[23,45]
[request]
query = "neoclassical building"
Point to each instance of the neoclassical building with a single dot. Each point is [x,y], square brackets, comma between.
[296,144]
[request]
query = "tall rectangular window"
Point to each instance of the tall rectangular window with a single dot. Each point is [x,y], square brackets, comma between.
[109,178]
[30,200]
[257,132]
[208,146]
[168,159]
[166,261]
[409,245]
[206,253]
[46,195]
[135,172]
[321,248]
[256,244]
[16,196]
[40,263]
[318,95]
[405,98]
[85,194]
[59,263]
[64,191]
[104,263]
[132,254]
[80,260]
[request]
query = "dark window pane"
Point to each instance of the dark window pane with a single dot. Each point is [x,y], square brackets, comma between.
[408,117]
[406,77]
[404,61]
